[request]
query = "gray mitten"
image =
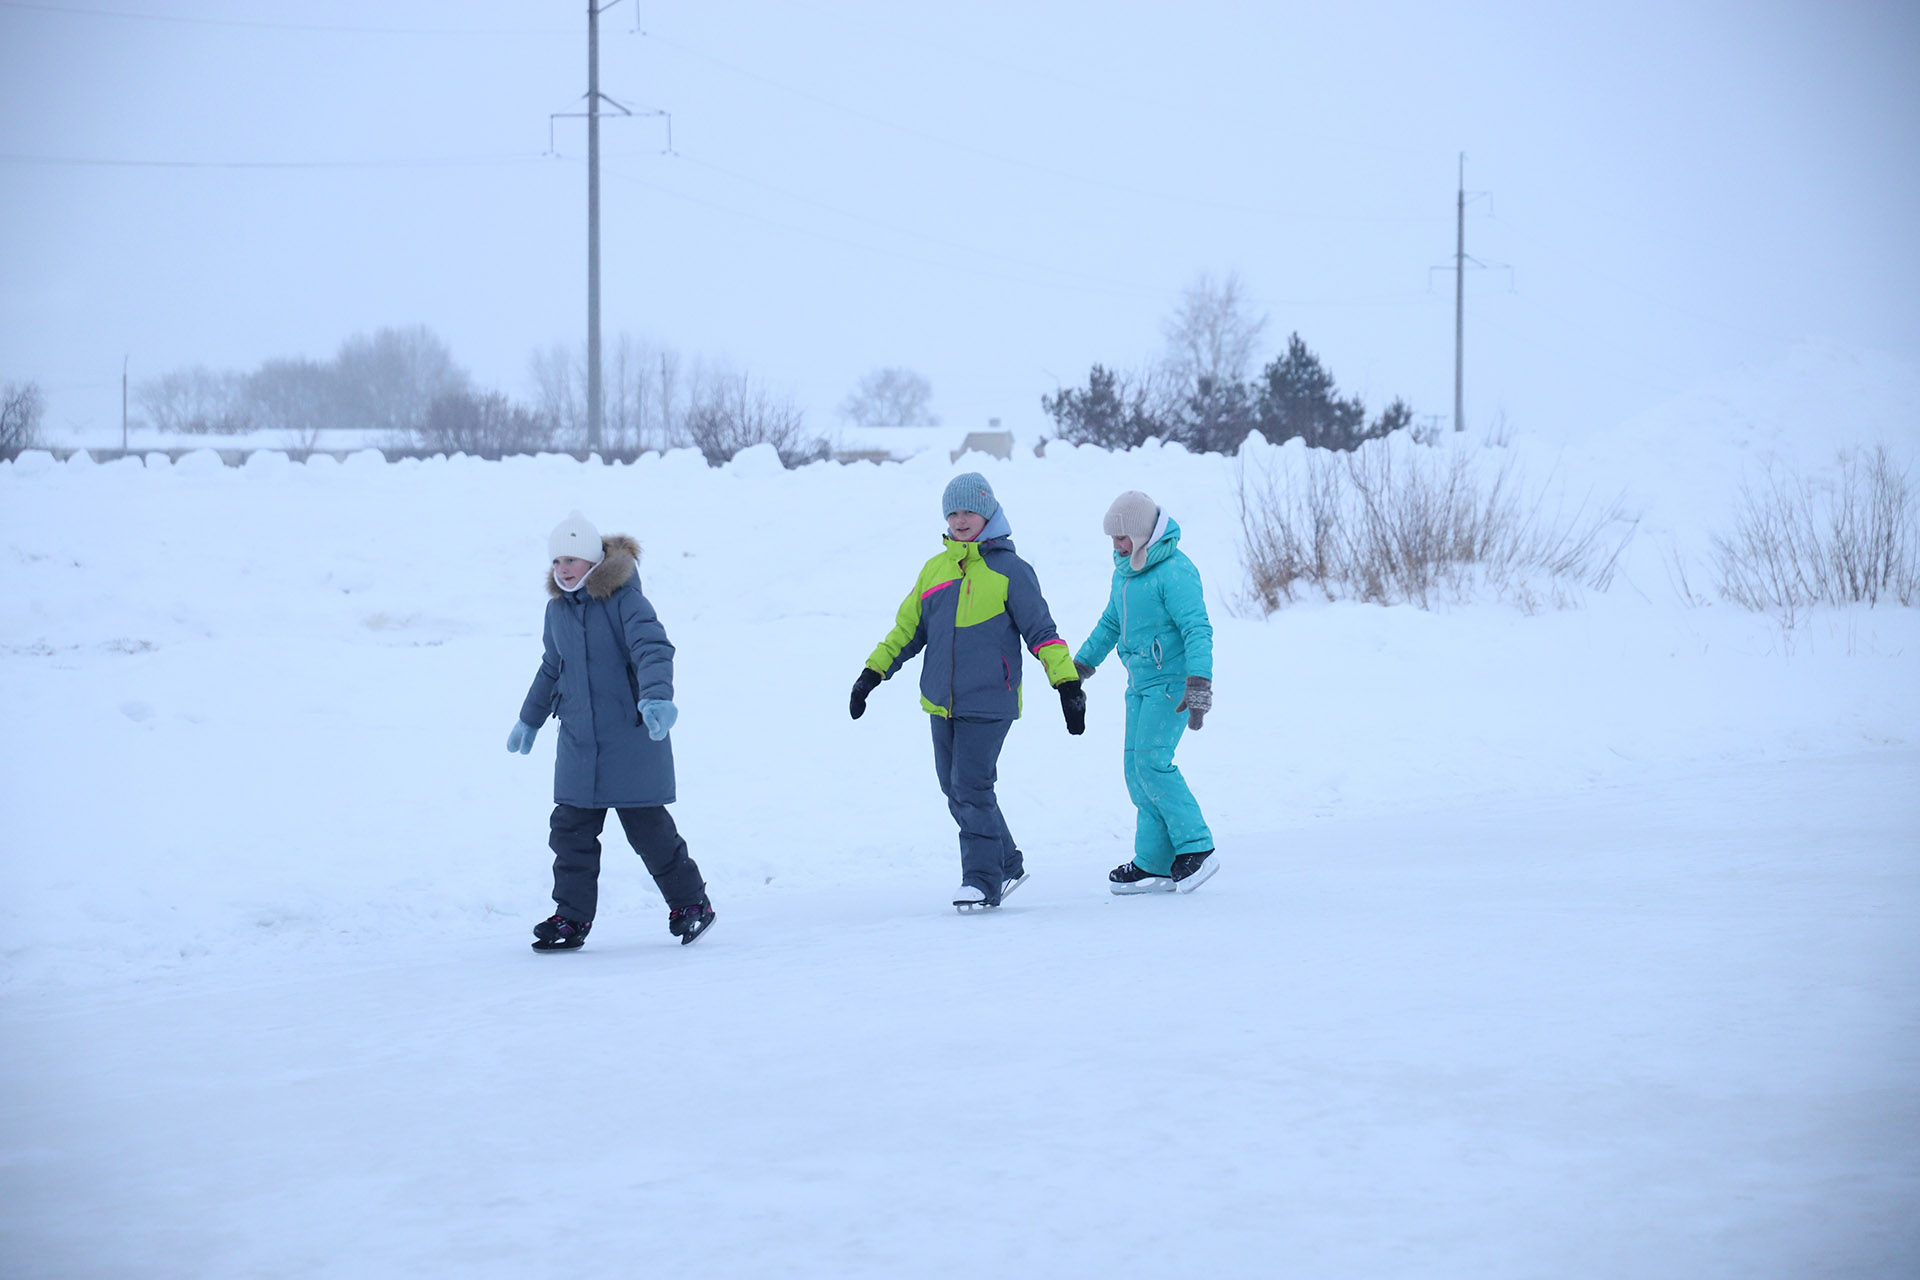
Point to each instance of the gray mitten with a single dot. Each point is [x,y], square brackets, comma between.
[1198,702]
[1086,672]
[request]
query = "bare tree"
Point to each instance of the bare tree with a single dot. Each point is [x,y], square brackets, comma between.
[560,390]
[891,397]
[195,401]
[643,388]
[301,398]
[731,412]
[1211,336]
[389,378]
[627,390]
[22,406]
[673,409]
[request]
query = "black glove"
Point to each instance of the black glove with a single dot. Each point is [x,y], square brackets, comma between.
[869,681]
[1198,702]
[1073,705]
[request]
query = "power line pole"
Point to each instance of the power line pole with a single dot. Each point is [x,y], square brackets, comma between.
[124,362]
[1460,301]
[595,399]
[593,225]
[1461,262]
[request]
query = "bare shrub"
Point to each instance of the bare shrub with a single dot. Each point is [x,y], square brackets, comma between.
[1853,538]
[731,412]
[1389,526]
[482,426]
[22,406]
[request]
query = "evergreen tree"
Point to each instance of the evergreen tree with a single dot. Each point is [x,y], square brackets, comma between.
[1216,416]
[1109,411]
[1297,397]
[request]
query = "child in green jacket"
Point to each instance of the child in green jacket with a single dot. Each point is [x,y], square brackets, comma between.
[1156,617]
[972,609]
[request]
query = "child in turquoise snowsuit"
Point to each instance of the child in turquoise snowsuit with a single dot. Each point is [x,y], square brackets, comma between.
[1156,618]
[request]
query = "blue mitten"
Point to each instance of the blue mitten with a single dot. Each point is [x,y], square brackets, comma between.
[659,715]
[521,739]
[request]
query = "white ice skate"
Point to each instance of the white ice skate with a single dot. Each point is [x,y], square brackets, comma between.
[1191,870]
[1128,878]
[967,898]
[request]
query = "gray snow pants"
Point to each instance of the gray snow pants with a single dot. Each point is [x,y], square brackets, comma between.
[966,755]
[575,840]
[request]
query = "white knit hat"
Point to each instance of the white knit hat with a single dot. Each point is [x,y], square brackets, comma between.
[1133,515]
[575,536]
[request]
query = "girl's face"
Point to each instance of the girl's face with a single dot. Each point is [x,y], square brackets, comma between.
[569,570]
[1124,545]
[965,526]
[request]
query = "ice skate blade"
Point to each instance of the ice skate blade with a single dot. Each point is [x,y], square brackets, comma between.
[1008,886]
[1200,877]
[1152,884]
[694,930]
[969,908]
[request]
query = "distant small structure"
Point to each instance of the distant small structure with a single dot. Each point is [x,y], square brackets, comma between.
[993,442]
[887,444]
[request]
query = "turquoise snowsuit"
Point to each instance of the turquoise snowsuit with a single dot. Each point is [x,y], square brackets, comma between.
[1156,617]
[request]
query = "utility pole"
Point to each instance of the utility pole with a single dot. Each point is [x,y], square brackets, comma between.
[1460,300]
[1461,262]
[595,403]
[125,361]
[593,225]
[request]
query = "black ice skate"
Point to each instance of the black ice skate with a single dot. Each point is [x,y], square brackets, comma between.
[1191,870]
[688,923]
[557,933]
[1128,878]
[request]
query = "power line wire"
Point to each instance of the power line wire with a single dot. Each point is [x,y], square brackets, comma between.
[1002,268]
[1106,286]
[79,11]
[1107,184]
[995,267]
[418,162]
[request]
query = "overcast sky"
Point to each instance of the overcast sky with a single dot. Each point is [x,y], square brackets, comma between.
[995,194]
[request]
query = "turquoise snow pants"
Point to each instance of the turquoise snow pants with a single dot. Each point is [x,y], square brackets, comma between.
[1169,821]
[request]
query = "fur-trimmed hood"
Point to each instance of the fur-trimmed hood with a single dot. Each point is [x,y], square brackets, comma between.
[619,560]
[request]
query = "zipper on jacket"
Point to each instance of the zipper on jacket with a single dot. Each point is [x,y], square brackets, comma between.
[953,644]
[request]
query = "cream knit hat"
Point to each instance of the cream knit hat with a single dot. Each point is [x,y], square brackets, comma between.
[1133,515]
[575,536]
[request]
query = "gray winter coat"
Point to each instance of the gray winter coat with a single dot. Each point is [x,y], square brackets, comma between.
[605,651]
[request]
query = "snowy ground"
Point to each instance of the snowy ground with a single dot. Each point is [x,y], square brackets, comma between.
[1662,1029]
[1584,943]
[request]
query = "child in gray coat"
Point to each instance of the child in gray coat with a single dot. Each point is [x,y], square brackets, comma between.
[608,674]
